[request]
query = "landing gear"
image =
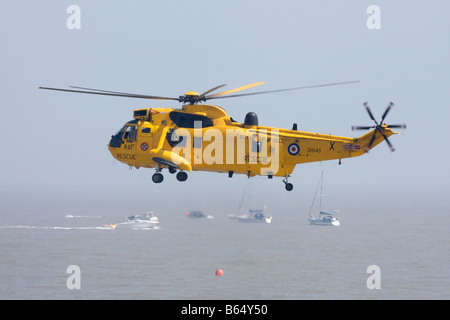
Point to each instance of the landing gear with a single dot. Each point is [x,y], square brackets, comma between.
[172,170]
[182,176]
[288,185]
[157,177]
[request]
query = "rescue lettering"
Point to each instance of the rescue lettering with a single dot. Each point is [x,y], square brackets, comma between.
[126,156]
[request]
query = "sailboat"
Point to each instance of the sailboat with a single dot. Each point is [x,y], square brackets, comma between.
[325,218]
[254,215]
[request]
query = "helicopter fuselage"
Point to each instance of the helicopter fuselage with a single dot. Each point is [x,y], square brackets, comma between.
[204,137]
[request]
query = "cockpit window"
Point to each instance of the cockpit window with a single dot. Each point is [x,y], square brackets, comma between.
[130,132]
[127,132]
[187,120]
[119,134]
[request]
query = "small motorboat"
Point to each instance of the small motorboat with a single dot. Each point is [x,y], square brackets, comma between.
[139,221]
[198,214]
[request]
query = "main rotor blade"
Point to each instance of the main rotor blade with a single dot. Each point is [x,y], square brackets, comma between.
[370,112]
[218,96]
[388,142]
[111,93]
[211,90]
[235,90]
[400,126]
[362,128]
[369,146]
[386,112]
[98,90]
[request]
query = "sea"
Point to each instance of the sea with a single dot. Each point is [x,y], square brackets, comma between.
[394,249]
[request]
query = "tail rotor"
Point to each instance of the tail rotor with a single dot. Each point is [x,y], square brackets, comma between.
[379,127]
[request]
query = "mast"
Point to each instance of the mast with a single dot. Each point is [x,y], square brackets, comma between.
[315,195]
[321,193]
[247,187]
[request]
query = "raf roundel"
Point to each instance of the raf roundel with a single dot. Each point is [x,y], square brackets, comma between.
[293,149]
[144,146]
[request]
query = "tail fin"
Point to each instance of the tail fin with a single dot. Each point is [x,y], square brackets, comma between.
[375,137]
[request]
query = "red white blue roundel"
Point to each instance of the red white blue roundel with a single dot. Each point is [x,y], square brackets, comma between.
[144,146]
[293,149]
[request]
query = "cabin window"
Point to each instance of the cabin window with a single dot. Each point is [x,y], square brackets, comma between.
[173,139]
[187,120]
[146,130]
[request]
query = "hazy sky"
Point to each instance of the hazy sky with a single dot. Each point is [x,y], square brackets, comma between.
[59,140]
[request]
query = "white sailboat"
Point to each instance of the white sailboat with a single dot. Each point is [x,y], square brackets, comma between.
[253,215]
[325,218]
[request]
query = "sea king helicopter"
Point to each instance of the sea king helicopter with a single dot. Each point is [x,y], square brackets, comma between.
[203,137]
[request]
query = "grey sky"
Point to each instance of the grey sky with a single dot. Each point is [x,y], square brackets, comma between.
[59,140]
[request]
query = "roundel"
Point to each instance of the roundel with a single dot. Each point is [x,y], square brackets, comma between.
[293,149]
[144,146]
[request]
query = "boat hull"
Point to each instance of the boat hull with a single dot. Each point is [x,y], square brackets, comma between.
[246,218]
[137,224]
[320,222]
[140,221]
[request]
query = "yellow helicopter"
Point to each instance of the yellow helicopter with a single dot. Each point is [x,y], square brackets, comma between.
[203,137]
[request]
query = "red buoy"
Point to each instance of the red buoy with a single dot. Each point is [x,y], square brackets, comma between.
[219,272]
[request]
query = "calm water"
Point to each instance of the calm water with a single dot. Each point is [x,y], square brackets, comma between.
[287,259]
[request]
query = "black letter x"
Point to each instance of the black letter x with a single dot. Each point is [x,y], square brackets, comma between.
[332,145]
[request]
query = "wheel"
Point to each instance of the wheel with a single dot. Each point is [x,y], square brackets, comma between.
[157,178]
[172,169]
[289,186]
[182,176]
